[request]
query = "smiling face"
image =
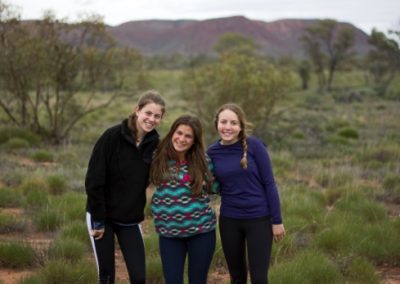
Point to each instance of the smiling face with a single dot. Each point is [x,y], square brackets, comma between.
[182,140]
[148,117]
[228,126]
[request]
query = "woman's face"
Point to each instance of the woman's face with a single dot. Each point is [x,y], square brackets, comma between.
[182,139]
[228,127]
[148,117]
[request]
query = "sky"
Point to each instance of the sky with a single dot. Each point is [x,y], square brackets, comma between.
[364,14]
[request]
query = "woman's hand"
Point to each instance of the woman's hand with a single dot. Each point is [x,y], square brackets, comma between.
[97,234]
[278,232]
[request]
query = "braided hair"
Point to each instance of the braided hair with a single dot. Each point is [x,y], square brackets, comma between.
[244,126]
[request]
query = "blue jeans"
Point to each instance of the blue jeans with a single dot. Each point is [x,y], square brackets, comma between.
[199,248]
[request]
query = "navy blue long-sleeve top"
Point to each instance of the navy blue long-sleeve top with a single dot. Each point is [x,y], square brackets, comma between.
[246,193]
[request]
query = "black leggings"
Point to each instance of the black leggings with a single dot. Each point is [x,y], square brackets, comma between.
[253,235]
[132,247]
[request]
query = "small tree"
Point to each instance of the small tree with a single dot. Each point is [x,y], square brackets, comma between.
[236,77]
[383,60]
[304,71]
[53,73]
[327,47]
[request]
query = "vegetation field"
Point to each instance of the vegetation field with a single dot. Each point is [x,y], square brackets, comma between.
[337,164]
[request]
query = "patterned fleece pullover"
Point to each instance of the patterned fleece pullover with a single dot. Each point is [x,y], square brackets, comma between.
[176,212]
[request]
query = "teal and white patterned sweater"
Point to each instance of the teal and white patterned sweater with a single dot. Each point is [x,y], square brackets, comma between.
[176,212]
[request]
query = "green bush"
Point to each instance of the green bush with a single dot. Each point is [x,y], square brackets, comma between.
[361,270]
[10,197]
[16,143]
[7,133]
[16,255]
[358,204]
[41,156]
[76,230]
[56,184]
[61,271]
[10,223]
[33,184]
[67,249]
[36,199]
[48,220]
[348,132]
[71,204]
[306,267]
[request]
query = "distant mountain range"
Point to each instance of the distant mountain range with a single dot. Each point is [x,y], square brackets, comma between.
[190,37]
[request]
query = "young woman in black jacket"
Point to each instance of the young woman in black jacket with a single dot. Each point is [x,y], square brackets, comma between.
[116,181]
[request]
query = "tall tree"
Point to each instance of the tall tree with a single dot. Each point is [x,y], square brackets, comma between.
[328,46]
[384,59]
[54,72]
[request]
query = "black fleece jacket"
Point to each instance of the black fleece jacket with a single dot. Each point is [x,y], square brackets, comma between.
[118,174]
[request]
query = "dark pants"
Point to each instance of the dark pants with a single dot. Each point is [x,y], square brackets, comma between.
[253,235]
[200,250]
[132,247]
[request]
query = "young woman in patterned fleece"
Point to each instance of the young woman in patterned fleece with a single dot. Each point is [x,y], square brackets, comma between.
[185,222]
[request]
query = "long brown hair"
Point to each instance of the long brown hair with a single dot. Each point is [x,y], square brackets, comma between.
[245,127]
[195,157]
[146,98]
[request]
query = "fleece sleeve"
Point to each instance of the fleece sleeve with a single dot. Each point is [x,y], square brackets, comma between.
[264,167]
[96,180]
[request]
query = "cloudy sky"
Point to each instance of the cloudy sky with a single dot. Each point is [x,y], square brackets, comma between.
[365,14]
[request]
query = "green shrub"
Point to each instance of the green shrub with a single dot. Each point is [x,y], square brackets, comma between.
[7,133]
[76,230]
[16,143]
[41,156]
[71,204]
[361,270]
[380,243]
[10,197]
[391,183]
[358,204]
[56,184]
[67,249]
[348,132]
[306,267]
[16,255]
[33,184]
[336,124]
[36,199]
[60,271]
[48,220]
[10,223]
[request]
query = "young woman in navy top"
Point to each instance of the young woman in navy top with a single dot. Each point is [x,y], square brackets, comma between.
[250,215]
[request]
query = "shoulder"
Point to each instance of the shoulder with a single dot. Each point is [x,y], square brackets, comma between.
[255,143]
[213,147]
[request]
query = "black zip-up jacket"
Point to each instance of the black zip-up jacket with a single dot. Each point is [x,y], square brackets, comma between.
[118,174]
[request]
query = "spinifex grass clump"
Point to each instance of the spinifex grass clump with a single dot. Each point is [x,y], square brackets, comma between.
[10,197]
[48,220]
[61,271]
[306,267]
[10,223]
[7,133]
[67,249]
[41,156]
[16,255]
[56,184]
[76,230]
[71,205]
